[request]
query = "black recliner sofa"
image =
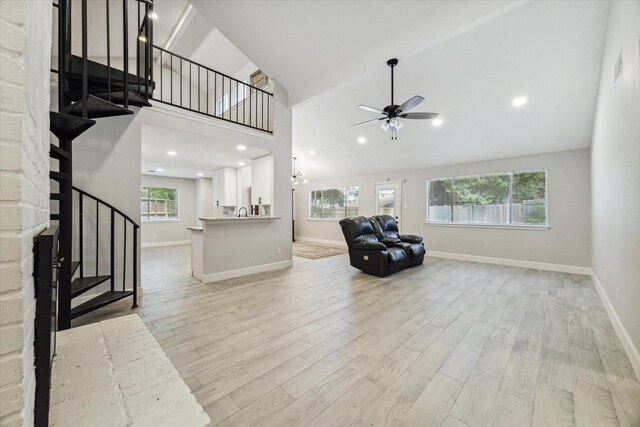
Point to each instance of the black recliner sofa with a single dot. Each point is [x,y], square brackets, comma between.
[386,229]
[376,247]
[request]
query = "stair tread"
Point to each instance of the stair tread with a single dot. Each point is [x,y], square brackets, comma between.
[98,302]
[82,284]
[118,98]
[66,126]
[97,108]
[98,73]
[58,176]
[58,153]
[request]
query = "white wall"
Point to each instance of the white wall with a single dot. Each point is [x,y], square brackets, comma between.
[615,181]
[106,164]
[25,42]
[171,231]
[567,242]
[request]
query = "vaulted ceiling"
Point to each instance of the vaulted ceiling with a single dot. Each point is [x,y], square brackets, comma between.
[468,59]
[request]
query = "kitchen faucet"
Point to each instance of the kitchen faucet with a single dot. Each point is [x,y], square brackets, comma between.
[245,212]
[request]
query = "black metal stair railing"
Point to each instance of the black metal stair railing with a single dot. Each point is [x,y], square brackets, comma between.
[117,220]
[88,90]
[189,85]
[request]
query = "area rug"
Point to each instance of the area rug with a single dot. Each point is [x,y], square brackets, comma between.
[310,251]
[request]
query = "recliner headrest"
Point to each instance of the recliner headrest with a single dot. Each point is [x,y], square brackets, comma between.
[387,222]
[354,227]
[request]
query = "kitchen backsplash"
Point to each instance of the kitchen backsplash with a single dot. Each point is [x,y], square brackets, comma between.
[233,210]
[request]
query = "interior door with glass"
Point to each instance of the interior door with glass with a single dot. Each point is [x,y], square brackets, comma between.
[388,200]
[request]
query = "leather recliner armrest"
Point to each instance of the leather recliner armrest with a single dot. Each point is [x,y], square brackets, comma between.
[411,238]
[373,246]
[389,242]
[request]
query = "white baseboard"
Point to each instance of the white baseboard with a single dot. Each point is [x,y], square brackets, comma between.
[340,243]
[231,274]
[172,243]
[513,262]
[621,331]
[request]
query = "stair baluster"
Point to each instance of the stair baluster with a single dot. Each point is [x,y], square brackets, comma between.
[88,89]
[81,233]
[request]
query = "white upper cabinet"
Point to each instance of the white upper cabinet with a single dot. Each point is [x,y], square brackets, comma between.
[224,190]
[262,180]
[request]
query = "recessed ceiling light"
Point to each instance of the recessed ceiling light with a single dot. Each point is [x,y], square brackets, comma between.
[437,122]
[159,170]
[200,174]
[143,39]
[312,152]
[171,153]
[362,140]
[241,163]
[519,101]
[241,147]
[153,15]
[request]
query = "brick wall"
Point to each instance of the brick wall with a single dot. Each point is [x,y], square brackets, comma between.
[25,46]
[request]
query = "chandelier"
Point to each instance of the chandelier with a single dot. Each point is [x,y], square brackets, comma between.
[296,178]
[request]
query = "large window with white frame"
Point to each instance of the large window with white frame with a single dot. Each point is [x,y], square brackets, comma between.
[333,203]
[159,203]
[511,198]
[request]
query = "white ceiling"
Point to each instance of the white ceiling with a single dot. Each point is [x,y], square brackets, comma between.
[313,46]
[549,52]
[195,152]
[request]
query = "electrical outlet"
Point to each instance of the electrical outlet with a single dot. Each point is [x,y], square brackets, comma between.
[278,251]
[434,242]
[617,294]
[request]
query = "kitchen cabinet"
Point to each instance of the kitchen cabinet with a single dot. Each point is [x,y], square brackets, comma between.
[224,189]
[262,180]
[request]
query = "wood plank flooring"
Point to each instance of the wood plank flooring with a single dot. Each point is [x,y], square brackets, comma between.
[449,343]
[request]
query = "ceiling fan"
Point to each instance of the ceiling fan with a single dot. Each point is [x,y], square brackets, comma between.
[393,113]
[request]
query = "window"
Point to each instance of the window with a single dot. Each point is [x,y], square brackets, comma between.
[514,198]
[158,203]
[230,100]
[333,203]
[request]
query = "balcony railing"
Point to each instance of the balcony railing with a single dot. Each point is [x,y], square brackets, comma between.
[186,84]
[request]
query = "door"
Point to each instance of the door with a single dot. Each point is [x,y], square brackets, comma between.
[388,200]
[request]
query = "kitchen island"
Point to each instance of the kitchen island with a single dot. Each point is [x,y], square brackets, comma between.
[227,247]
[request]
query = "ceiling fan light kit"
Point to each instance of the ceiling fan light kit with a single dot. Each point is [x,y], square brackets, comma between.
[393,113]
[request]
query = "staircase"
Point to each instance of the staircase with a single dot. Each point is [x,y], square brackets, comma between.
[87,92]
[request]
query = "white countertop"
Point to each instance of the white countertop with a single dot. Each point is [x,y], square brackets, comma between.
[235,219]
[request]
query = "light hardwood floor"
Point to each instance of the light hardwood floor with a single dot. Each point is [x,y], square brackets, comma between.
[448,343]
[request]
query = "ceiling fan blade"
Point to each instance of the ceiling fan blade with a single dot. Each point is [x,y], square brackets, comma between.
[419,116]
[369,121]
[409,104]
[372,109]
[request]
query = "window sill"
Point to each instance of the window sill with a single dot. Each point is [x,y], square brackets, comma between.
[160,220]
[496,226]
[326,219]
